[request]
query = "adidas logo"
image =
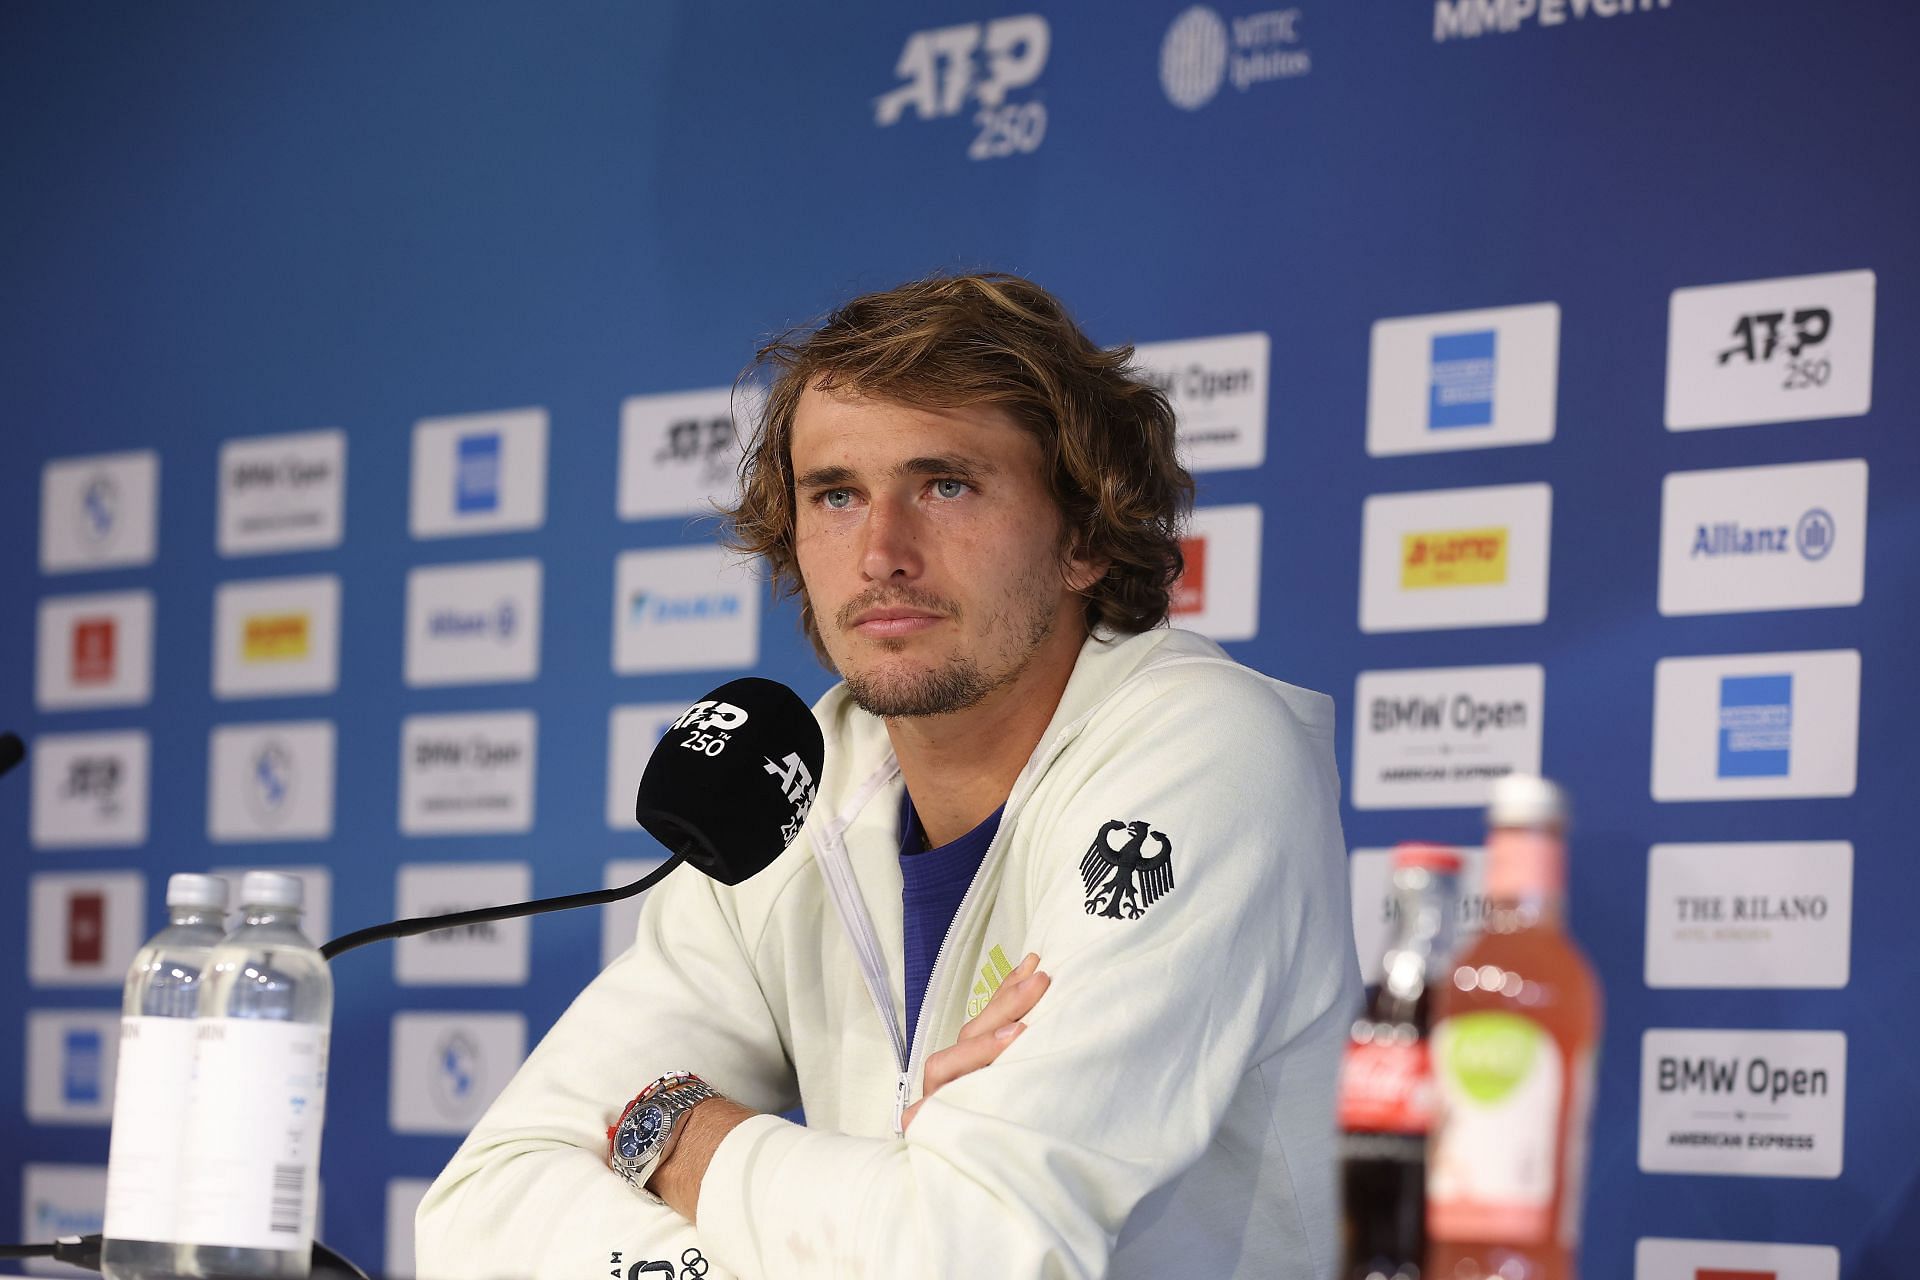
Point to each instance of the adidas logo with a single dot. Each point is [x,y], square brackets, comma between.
[992,974]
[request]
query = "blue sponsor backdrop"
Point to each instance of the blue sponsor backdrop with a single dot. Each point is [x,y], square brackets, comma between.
[229,220]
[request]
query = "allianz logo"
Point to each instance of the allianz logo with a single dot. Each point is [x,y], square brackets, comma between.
[475,752]
[292,472]
[1812,537]
[660,609]
[501,621]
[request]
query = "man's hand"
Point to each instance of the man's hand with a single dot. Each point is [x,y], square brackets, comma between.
[987,1033]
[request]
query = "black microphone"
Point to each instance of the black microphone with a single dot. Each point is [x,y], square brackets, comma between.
[12,751]
[726,790]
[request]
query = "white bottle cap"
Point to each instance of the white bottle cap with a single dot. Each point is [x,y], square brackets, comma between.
[197,891]
[271,889]
[1523,800]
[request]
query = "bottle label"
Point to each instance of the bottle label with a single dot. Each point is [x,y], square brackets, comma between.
[259,1099]
[150,1093]
[1386,1088]
[1494,1159]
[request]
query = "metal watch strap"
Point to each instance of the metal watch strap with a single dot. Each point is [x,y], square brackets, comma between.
[676,1094]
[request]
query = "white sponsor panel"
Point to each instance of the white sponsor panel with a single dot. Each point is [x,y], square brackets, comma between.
[619,920]
[1657,1259]
[1446,558]
[1756,725]
[1464,380]
[1754,538]
[1218,593]
[94,651]
[1750,915]
[274,636]
[1218,390]
[1793,349]
[60,1200]
[72,1055]
[316,887]
[84,927]
[1436,738]
[684,609]
[403,1202]
[479,473]
[448,1068]
[100,511]
[489,954]
[282,493]
[270,781]
[1376,914]
[680,452]
[90,789]
[632,734]
[473,623]
[1759,1104]
[467,774]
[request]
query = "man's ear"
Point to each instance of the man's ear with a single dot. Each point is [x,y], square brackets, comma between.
[1081,572]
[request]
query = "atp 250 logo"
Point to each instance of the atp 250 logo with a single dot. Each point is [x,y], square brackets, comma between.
[947,68]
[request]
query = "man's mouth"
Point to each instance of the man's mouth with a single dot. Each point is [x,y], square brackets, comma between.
[894,621]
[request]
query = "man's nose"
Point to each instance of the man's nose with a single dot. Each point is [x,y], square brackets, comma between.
[892,541]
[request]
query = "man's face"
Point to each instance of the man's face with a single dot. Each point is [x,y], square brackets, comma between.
[930,549]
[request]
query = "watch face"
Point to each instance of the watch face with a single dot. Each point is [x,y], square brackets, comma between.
[640,1132]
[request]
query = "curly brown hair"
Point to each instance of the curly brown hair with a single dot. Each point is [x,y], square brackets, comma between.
[1106,435]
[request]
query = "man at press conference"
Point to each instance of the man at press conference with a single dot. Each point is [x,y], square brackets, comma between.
[979,511]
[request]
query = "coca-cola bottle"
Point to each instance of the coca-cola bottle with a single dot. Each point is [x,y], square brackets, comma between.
[1386,1080]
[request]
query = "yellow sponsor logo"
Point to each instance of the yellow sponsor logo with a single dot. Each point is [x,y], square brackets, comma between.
[1453,558]
[275,637]
[992,974]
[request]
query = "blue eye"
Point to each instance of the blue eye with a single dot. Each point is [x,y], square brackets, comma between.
[837,499]
[949,488]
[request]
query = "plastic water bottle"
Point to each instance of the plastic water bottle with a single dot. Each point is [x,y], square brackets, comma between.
[151,1085]
[259,1093]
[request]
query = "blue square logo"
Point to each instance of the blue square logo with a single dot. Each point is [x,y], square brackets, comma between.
[80,1068]
[476,477]
[1460,393]
[1756,726]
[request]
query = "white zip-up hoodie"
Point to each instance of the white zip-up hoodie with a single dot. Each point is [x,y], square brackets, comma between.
[1172,851]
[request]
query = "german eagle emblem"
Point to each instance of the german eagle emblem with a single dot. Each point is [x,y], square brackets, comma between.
[1123,880]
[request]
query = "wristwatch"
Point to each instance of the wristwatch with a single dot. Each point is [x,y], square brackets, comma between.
[647,1130]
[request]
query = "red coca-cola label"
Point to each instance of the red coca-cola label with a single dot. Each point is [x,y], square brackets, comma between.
[1386,1088]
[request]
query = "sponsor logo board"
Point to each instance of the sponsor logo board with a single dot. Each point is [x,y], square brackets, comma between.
[1754,538]
[1376,914]
[490,954]
[1218,390]
[474,623]
[1657,1259]
[276,636]
[94,651]
[1760,1104]
[620,920]
[448,1068]
[680,452]
[1463,380]
[99,512]
[282,493]
[71,1058]
[470,773]
[479,473]
[1773,915]
[270,781]
[1792,349]
[90,789]
[403,1201]
[1756,725]
[61,1200]
[632,734]
[684,609]
[1218,593]
[1438,737]
[84,927]
[1201,52]
[1448,558]
[316,895]
[985,71]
